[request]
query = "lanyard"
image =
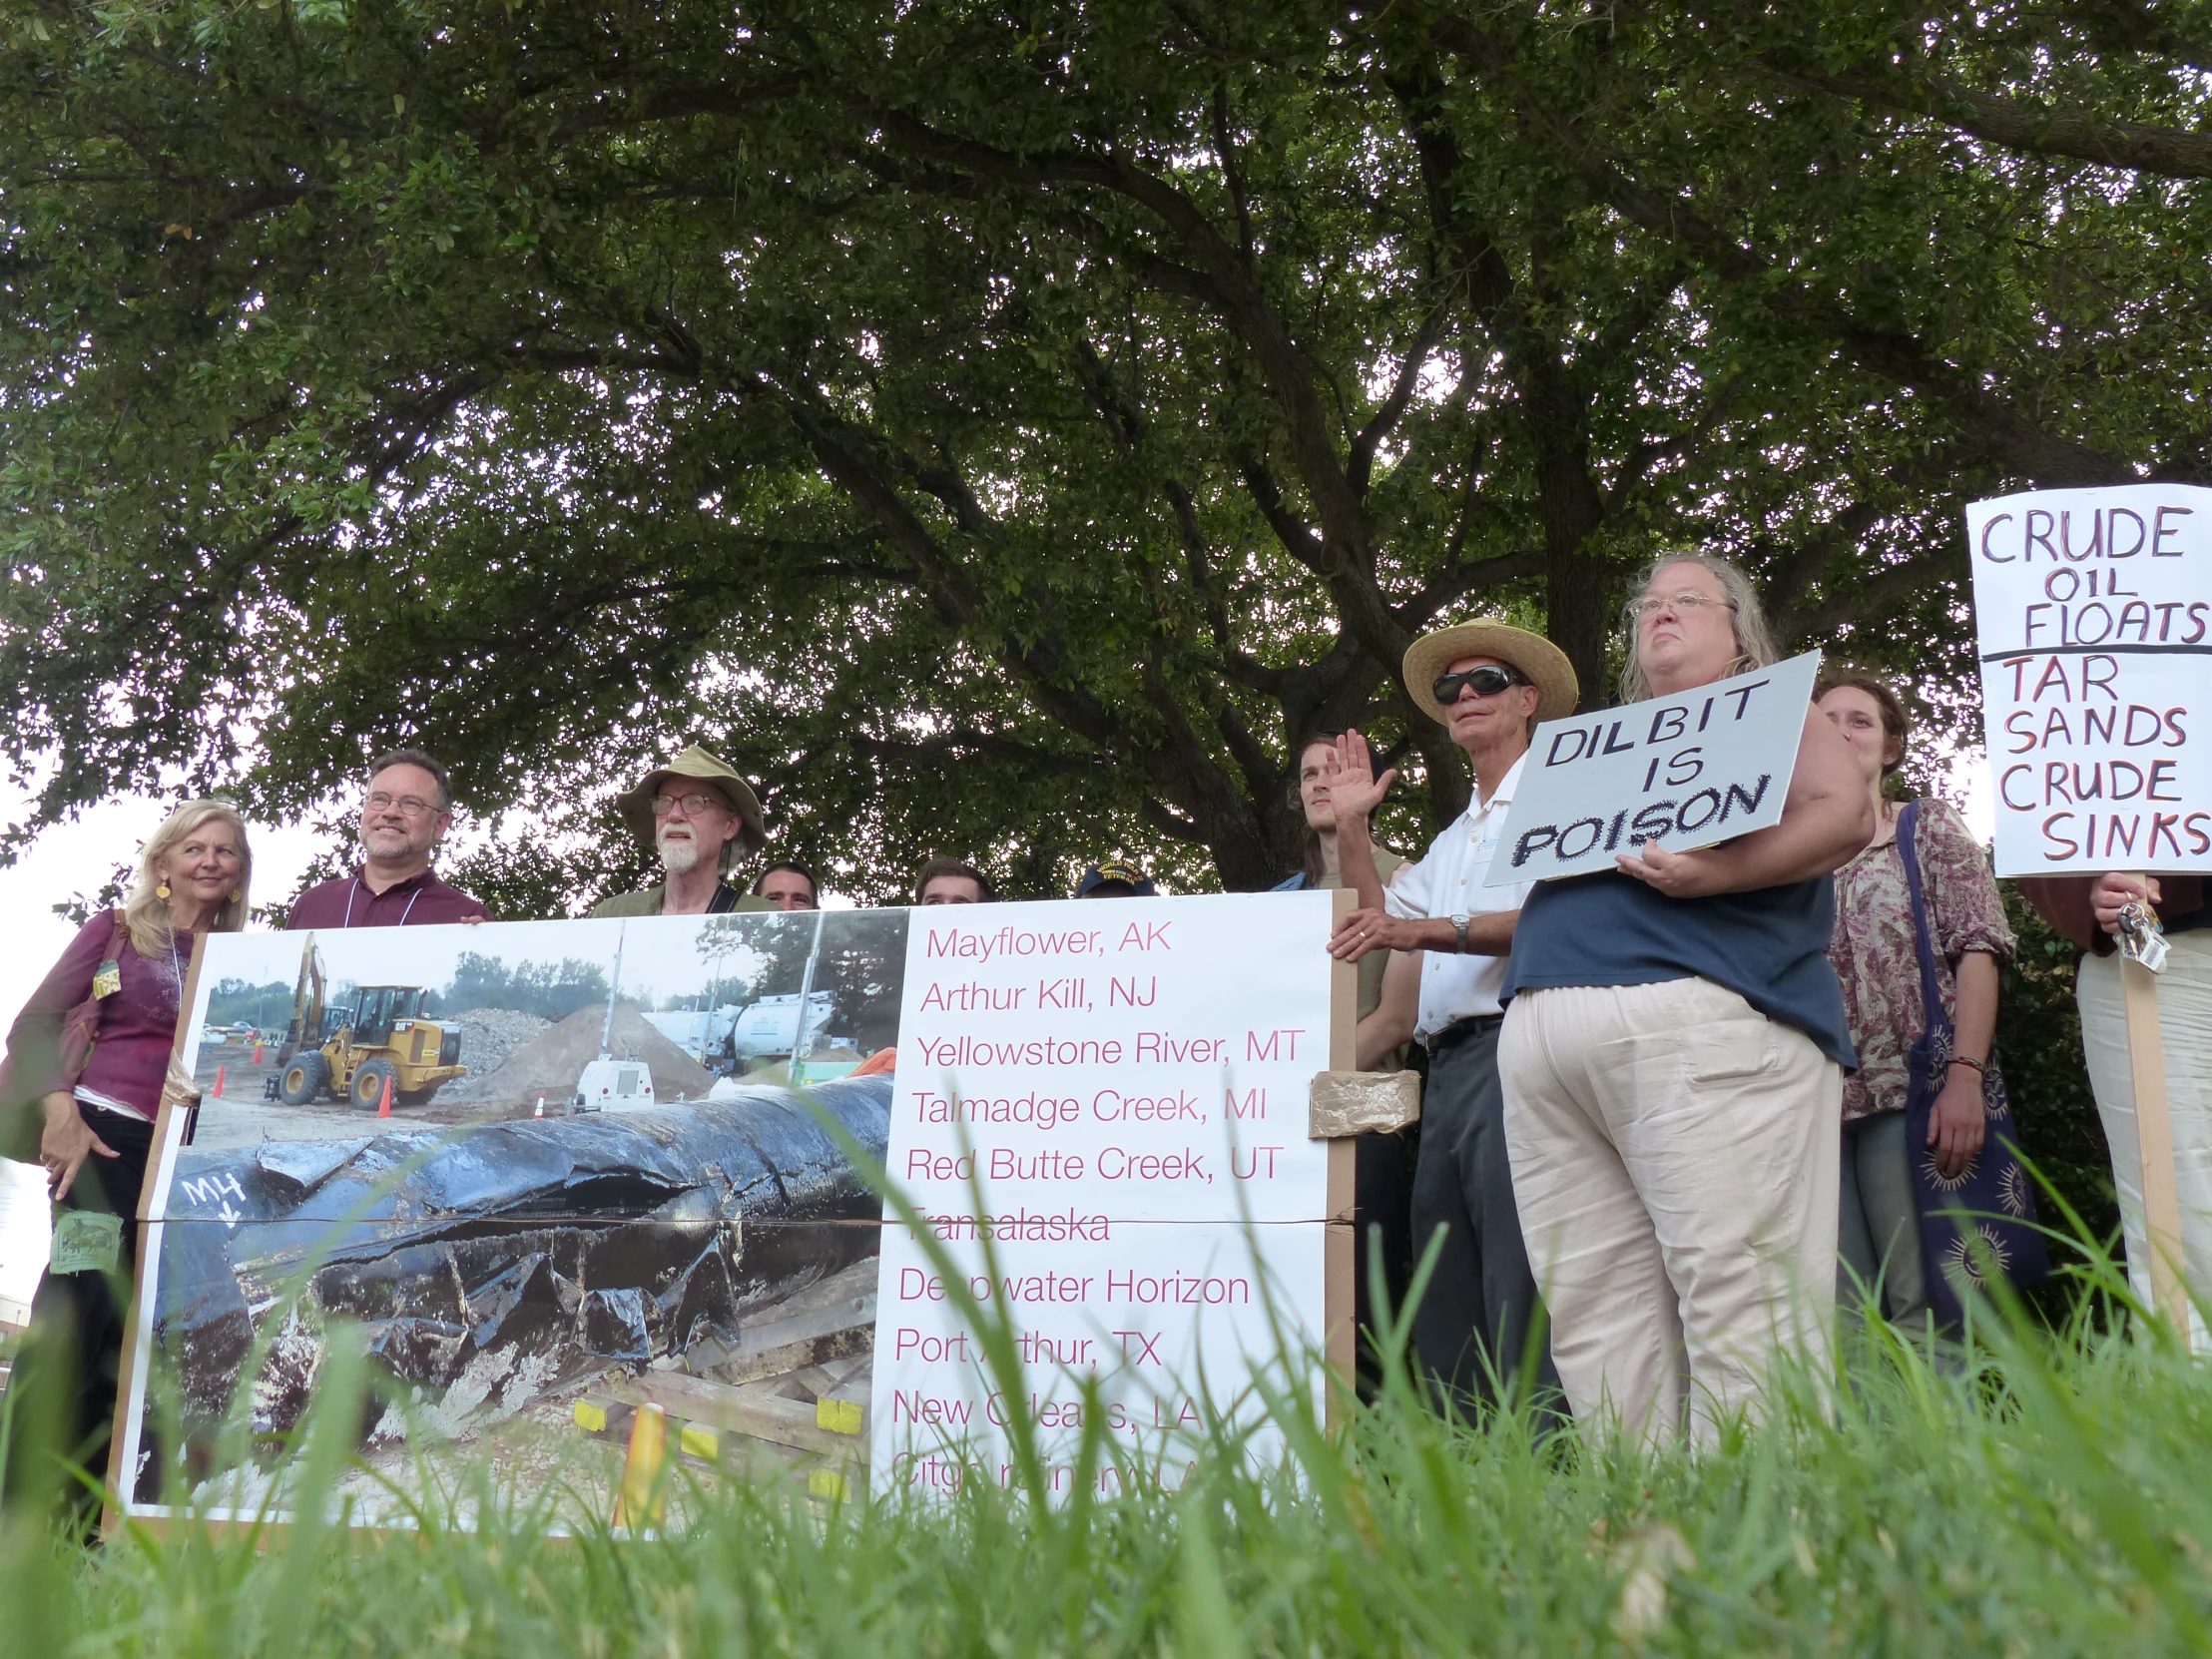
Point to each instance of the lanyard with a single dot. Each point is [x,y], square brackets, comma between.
[356,888]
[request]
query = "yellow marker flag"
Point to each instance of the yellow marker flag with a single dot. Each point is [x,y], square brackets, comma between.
[637,1500]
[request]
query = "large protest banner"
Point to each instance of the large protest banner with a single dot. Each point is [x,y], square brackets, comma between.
[536,1214]
[1687,770]
[2093,617]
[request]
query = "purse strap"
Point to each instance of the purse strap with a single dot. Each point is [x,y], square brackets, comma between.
[1931,1001]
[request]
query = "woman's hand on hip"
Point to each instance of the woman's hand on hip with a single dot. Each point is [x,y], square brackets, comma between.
[1957,1124]
[66,1143]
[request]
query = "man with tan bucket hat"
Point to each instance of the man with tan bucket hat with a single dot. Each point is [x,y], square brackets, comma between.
[1488,683]
[699,815]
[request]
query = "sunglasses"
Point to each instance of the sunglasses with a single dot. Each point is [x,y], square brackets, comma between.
[1488,681]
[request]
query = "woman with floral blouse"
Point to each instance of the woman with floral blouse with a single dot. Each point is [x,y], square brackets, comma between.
[1878,962]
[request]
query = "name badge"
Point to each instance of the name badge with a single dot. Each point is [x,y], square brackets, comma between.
[87,1241]
[108,980]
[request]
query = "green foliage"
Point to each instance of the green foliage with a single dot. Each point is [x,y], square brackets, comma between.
[235,1002]
[1002,433]
[532,876]
[550,991]
[863,963]
[2048,1501]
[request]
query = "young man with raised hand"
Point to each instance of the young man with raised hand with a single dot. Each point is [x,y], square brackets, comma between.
[1488,683]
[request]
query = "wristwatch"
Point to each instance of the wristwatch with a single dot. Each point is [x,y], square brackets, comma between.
[1460,929]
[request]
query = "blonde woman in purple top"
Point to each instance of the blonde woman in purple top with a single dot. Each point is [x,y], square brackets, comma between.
[191,878]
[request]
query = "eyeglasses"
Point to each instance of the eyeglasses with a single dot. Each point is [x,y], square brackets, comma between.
[406,805]
[1487,680]
[1654,604]
[693,803]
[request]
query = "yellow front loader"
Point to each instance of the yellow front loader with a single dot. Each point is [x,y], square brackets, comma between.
[351,1053]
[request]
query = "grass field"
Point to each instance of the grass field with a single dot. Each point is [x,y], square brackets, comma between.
[2053,1497]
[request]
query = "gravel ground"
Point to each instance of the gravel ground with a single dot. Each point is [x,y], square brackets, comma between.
[488,1036]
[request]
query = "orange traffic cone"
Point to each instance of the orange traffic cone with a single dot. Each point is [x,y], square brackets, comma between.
[383,1107]
[256,1053]
[637,1500]
[218,1090]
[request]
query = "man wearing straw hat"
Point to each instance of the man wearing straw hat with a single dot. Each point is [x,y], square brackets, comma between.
[1488,683]
[698,815]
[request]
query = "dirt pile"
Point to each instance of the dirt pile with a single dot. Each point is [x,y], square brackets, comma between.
[488,1037]
[550,1062]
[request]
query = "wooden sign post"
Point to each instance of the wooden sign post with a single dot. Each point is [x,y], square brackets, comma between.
[2155,1145]
[1340,1251]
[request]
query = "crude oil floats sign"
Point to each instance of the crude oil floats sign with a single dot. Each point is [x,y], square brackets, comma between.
[2093,619]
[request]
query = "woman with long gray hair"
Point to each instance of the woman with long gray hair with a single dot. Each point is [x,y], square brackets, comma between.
[91,1051]
[1673,1058]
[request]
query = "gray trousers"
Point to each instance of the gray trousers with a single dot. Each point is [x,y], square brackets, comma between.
[1473,1322]
[1877,1239]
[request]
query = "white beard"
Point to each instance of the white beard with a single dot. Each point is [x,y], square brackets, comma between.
[679,854]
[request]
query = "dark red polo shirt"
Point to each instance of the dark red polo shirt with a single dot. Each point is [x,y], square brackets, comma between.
[348,902]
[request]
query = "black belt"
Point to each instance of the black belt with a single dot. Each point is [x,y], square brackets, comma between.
[1465,1030]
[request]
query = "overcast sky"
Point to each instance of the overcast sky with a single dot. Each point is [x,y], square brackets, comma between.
[79,858]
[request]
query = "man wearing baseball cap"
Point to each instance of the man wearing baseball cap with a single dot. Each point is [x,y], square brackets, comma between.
[698,815]
[1115,879]
[1488,683]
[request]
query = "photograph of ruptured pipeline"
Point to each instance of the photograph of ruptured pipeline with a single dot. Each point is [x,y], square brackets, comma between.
[543,1174]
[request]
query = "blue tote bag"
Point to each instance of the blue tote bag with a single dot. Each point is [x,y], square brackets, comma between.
[1991,1202]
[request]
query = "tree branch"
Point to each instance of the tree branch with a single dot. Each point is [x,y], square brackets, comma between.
[2000,430]
[1361,464]
[2017,124]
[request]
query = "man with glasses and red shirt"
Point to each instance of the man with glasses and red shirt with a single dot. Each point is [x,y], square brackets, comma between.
[699,815]
[1487,684]
[407,810]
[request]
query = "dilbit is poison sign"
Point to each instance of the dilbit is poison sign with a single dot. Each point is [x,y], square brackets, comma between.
[1685,771]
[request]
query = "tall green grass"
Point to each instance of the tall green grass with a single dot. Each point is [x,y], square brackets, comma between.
[2052,1494]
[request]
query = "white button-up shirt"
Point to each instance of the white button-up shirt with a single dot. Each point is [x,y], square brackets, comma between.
[1448,882]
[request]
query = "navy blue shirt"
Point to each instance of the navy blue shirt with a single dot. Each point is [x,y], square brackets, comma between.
[1768,946]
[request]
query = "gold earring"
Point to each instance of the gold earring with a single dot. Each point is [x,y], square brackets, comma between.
[236,893]
[162,890]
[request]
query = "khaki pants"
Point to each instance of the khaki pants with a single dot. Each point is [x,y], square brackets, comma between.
[1675,1158]
[2185,1034]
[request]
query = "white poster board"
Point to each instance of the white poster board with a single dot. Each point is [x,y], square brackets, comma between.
[1685,771]
[1126,1081]
[2093,620]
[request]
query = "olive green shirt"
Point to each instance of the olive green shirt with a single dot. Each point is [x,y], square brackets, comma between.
[648,903]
